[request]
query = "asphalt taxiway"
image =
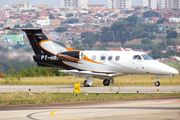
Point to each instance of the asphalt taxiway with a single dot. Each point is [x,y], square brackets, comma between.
[158,109]
[92,89]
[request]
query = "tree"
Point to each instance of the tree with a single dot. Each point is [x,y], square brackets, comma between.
[71,21]
[85,34]
[172,34]
[162,20]
[149,14]
[69,15]
[106,35]
[146,41]
[51,16]
[60,29]
[121,31]
[16,26]
[88,41]
[27,26]
[156,54]
[131,19]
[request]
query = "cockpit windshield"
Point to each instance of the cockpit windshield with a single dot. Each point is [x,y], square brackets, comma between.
[147,57]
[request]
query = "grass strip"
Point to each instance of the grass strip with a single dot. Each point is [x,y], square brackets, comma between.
[70,80]
[24,99]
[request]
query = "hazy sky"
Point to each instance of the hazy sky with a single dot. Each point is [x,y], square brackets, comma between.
[57,2]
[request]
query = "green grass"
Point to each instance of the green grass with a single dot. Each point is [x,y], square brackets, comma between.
[23,99]
[70,80]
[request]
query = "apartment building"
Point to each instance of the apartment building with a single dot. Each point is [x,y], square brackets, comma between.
[170,4]
[119,4]
[74,3]
[153,4]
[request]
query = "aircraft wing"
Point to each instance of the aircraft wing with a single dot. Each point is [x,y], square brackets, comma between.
[89,73]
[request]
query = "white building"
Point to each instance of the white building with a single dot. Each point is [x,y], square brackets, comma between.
[176,20]
[170,4]
[43,22]
[74,3]
[153,4]
[119,4]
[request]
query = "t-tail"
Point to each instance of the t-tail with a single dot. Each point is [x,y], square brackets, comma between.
[48,53]
[39,42]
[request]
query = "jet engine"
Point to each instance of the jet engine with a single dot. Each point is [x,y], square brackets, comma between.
[72,56]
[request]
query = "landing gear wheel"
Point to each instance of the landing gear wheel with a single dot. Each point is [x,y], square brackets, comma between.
[157,83]
[85,84]
[106,82]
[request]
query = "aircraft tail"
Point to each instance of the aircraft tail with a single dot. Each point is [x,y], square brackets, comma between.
[39,42]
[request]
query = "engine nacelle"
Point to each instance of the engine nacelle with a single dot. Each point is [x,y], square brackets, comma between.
[73,56]
[76,54]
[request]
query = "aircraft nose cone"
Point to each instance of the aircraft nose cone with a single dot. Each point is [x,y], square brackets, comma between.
[174,71]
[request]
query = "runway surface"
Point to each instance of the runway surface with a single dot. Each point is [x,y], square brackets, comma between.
[92,89]
[149,109]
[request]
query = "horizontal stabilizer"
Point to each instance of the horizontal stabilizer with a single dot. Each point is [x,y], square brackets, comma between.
[23,29]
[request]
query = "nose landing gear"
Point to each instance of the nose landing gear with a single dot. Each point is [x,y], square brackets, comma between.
[157,83]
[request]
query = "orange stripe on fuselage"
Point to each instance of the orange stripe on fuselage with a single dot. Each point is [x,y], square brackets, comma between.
[88,59]
[85,57]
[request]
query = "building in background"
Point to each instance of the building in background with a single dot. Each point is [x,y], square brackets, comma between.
[24,4]
[103,6]
[119,4]
[18,39]
[153,4]
[74,3]
[170,4]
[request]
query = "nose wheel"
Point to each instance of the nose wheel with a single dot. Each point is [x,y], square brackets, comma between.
[157,83]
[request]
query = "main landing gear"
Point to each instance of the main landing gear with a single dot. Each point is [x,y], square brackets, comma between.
[107,82]
[85,84]
[89,80]
[157,83]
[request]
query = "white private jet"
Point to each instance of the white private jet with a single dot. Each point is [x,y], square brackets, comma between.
[104,65]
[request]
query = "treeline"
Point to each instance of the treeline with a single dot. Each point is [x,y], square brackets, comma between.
[33,71]
[14,68]
[120,31]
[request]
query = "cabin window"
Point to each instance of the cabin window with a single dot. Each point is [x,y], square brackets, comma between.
[137,57]
[103,58]
[93,57]
[117,58]
[110,58]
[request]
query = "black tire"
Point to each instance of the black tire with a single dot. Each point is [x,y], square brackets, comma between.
[85,84]
[157,84]
[106,82]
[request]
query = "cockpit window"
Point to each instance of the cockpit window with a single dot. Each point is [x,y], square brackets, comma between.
[147,57]
[137,57]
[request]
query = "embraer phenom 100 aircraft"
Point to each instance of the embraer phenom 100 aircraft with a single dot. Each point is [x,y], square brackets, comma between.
[104,65]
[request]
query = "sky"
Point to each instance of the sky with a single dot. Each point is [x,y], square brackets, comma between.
[56,3]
